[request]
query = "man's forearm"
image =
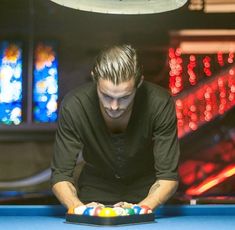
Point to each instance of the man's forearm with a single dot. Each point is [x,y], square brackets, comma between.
[66,194]
[159,193]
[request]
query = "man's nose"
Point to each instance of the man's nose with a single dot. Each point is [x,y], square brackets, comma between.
[114,104]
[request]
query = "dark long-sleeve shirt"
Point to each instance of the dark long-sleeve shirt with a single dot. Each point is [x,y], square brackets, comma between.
[149,145]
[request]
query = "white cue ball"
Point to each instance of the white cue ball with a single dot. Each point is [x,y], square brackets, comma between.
[80,209]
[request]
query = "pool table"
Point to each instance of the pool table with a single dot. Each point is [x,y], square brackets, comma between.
[168,217]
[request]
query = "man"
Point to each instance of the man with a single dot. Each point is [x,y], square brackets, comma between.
[126,130]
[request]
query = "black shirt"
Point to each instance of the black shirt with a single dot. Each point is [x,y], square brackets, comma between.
[146,151]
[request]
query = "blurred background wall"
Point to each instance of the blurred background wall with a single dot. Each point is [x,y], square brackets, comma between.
[189,51]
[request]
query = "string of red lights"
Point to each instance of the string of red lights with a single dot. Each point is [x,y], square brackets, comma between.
[204,100]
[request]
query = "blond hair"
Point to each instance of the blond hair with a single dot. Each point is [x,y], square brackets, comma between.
[117,64]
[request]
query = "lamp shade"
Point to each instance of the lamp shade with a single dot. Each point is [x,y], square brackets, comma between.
[123,6]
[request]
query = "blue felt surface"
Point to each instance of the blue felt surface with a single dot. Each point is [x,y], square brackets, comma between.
[172,217]
[166,223]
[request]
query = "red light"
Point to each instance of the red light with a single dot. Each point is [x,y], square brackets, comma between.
[192,58]
[193,108]
[233,88]
[178,52]
[220,58]
[179,103]
[207,65]
[231,97]
[208,107]
[207,95]
[231,72]
[194,117]
[220,82]
[192,126]
[212,181]
[180,122]
[205,101]
[230,57]
[175,72]
[222,94]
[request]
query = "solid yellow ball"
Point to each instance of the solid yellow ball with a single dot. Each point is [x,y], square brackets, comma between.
[107,212]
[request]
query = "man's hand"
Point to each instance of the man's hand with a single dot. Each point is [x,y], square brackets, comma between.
[159,193]
[66,194]
[123,204]
[95,204]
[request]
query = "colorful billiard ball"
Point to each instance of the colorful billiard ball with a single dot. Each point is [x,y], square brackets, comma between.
[88,211]
[107,212]
[129,211]
[70,210]
[136,209]
[96,211]
[80,209]
[119,211]
[145,209]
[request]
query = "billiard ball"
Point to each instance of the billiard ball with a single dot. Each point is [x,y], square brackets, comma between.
[129,211]
[70,210]
[145,209]
[96,211]
[107,212]
[119,211]
[80,209]
[88,211]
[136,209]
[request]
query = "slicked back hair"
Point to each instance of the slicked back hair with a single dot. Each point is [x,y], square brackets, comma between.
[117,64]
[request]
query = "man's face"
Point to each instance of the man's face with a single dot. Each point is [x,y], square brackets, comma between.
[116,100]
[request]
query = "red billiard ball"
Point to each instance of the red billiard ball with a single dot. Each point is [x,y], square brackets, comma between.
[145,209]
[96,211]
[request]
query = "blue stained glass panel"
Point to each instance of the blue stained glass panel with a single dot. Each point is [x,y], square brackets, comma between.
[10,83]
[45,83]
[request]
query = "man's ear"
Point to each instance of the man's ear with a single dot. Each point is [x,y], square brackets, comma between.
[141,81]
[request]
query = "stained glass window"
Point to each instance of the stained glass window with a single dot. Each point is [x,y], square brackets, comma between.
[45,83]
[10,83]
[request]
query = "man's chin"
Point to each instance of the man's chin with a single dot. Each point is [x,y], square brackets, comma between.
[114,115]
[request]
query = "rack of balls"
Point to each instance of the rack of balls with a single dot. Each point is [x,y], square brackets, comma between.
[109,215]
[109,211]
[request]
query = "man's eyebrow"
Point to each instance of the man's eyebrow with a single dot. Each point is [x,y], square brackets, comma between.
[119,97]
[104,93]
[127,95]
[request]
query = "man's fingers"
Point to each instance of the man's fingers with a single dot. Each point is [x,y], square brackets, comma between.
[94,204]
[119,204]
[123,204]
[127,205]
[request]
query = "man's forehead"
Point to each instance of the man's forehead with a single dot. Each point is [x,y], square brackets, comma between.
[120,90]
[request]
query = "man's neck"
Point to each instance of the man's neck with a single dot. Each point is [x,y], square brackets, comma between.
[117,125]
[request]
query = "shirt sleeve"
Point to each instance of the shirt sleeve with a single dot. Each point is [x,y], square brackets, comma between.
[67,147]
[166,145]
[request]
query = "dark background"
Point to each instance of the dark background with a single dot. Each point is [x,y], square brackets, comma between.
[80,36]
